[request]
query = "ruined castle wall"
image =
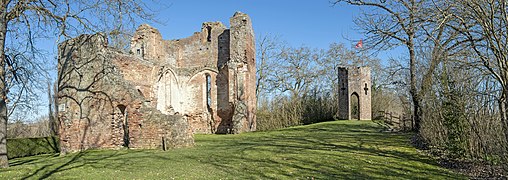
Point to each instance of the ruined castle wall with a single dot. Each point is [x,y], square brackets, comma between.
[137,72]
[99,109]
[180,81]
[242,73]
[151,129]
[200,49]
[80,96]
[162,92]
[180,85]
[223,112]
[147,43]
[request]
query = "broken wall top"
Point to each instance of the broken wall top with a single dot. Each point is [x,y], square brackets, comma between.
[207,48]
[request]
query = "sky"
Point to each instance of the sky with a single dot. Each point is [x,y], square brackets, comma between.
[312,23]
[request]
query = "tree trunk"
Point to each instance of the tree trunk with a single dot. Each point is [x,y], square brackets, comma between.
[51,117]
[413,88]
[412,67]
[3,94]
[503,108]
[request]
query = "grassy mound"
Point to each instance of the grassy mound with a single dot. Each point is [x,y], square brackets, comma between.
[331,150]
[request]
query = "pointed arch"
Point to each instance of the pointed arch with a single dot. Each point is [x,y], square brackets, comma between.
[206,70]
[165,71]
[354,106]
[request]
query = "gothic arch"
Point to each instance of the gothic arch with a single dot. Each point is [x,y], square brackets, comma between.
[124,120]
[167,88]
[210,71]
[354,106]
[165,72]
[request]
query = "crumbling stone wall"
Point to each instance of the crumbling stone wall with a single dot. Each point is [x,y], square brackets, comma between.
[160,93]
[242,66]
[355,81]
[98,108]
[208,77]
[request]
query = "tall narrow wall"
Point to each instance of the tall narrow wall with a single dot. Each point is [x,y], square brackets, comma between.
[242,72]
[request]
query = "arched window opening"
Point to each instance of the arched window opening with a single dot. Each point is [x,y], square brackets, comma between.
[142,50]
[122,109]
[209,37]
[125,124]
[208,91]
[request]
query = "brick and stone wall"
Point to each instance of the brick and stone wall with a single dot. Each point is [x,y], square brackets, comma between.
[98,108]
[161,92]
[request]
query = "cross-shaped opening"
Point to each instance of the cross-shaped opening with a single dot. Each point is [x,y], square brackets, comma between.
[366,88]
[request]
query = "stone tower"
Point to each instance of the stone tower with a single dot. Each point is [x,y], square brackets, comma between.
[354,82]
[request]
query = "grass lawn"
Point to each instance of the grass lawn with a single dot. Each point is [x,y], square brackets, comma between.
[331,150]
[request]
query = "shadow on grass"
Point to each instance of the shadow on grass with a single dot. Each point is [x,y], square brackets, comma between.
[71,161]
[30,160]
[333,150]
[47,170]
[349,149]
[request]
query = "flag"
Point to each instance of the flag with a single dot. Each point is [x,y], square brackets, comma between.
[359,44]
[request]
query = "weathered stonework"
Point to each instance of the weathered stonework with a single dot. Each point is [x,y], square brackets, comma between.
[355,81]
[163,91]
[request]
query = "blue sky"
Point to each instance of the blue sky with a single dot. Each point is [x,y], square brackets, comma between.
[312,23]
[303,22]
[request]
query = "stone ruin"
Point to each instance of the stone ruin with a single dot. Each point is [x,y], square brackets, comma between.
[355,84]
[159,94]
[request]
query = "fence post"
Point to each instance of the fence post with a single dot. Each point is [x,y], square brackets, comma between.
[391,118]
[401,118]
[163,144]
[412,122]
[404,124]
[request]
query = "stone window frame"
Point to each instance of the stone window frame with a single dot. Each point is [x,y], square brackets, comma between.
[208,90]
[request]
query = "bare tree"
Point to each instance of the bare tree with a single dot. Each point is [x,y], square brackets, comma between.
[389,24]
[30,19]
[302,82]
[293,71]
[485,25]
[268,48]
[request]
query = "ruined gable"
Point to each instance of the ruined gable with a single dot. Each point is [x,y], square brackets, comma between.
[160,93]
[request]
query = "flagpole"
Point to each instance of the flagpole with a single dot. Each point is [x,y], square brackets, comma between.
[359,46]
[362,53]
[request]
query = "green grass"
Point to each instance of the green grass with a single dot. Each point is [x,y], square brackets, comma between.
[331,150]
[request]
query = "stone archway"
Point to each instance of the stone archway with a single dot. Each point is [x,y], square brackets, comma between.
[125,124]
[354,106]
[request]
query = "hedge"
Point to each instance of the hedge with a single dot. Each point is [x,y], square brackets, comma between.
[21,147]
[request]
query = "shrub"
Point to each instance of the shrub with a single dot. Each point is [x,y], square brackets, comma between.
[21,147]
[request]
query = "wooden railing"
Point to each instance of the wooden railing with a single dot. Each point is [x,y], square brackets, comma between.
[394,121]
